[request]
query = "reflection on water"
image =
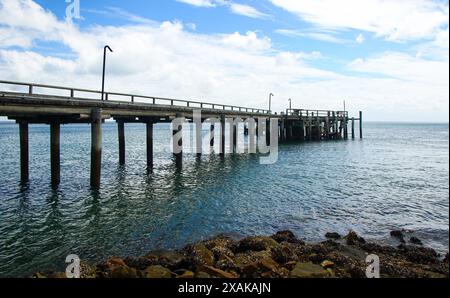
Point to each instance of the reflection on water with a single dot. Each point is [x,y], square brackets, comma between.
[387,181]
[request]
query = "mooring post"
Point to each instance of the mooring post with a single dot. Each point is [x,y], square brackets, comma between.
[24,152]
[121,133]
[268,132]
[149,129]
[178,129]
[222,135]
[55,158]
[96,147]
[360,125]
[353,128]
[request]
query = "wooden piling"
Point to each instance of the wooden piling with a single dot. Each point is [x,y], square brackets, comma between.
[222,135]
[268,131]
[235,130]
[149,129]
[360,125]
[345,123]
[353,128]
[24,152]
[327,126]
[211,131]
[96,147]
[121,134]
[55,159]
[319,127]
[178,155]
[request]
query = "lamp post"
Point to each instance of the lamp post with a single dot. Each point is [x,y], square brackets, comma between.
[270,102]
[104,66]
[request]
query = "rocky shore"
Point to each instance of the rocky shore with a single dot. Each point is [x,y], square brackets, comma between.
[281,255]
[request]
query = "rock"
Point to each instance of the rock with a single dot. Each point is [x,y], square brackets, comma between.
[327,264]
[116,268]
[202,274]
[217,272]
[286,236]
[353,239]
[308,270]
[140,263]
[157,271]
[446,259]
[283,254]
[266,266]
[226,263]
[415,240]
[123,272]
[186,274]
[219,252]
[201,255]
[334,236]
[399,235]
[418,254]
[258,243]
[87,270]
[39,275]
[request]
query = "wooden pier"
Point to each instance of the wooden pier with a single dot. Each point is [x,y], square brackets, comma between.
[28,103]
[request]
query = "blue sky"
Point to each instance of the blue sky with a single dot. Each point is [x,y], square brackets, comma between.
[389,58]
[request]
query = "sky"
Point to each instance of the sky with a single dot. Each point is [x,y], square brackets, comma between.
[389,59]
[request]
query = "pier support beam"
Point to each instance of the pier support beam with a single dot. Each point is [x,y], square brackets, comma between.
[178,147]
[96,147]
[55,158]
[353,128]
[222,135]
[234,131]
[360,125]
[24,152]
[121,133]
[345,123]
[212,132]
[149,137]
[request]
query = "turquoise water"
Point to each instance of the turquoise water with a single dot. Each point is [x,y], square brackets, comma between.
[397,177]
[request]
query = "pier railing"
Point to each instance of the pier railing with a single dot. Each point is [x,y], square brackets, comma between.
[72,93]
[316,113]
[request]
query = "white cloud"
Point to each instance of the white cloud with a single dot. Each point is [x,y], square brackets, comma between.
[250,41]
[236,8]
[247,11]
[393,20]
[316,35]
[165,59]
[405,67]
[200,3]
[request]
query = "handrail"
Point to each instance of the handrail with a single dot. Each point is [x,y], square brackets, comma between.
[315,113]
[133,97]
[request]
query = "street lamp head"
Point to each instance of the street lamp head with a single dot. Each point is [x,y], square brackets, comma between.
[107,47]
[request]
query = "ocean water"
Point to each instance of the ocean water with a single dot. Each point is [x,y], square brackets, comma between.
[396,177]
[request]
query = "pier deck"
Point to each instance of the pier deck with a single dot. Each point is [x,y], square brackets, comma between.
[28,103]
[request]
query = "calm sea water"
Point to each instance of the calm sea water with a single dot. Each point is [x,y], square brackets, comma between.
[397,177]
